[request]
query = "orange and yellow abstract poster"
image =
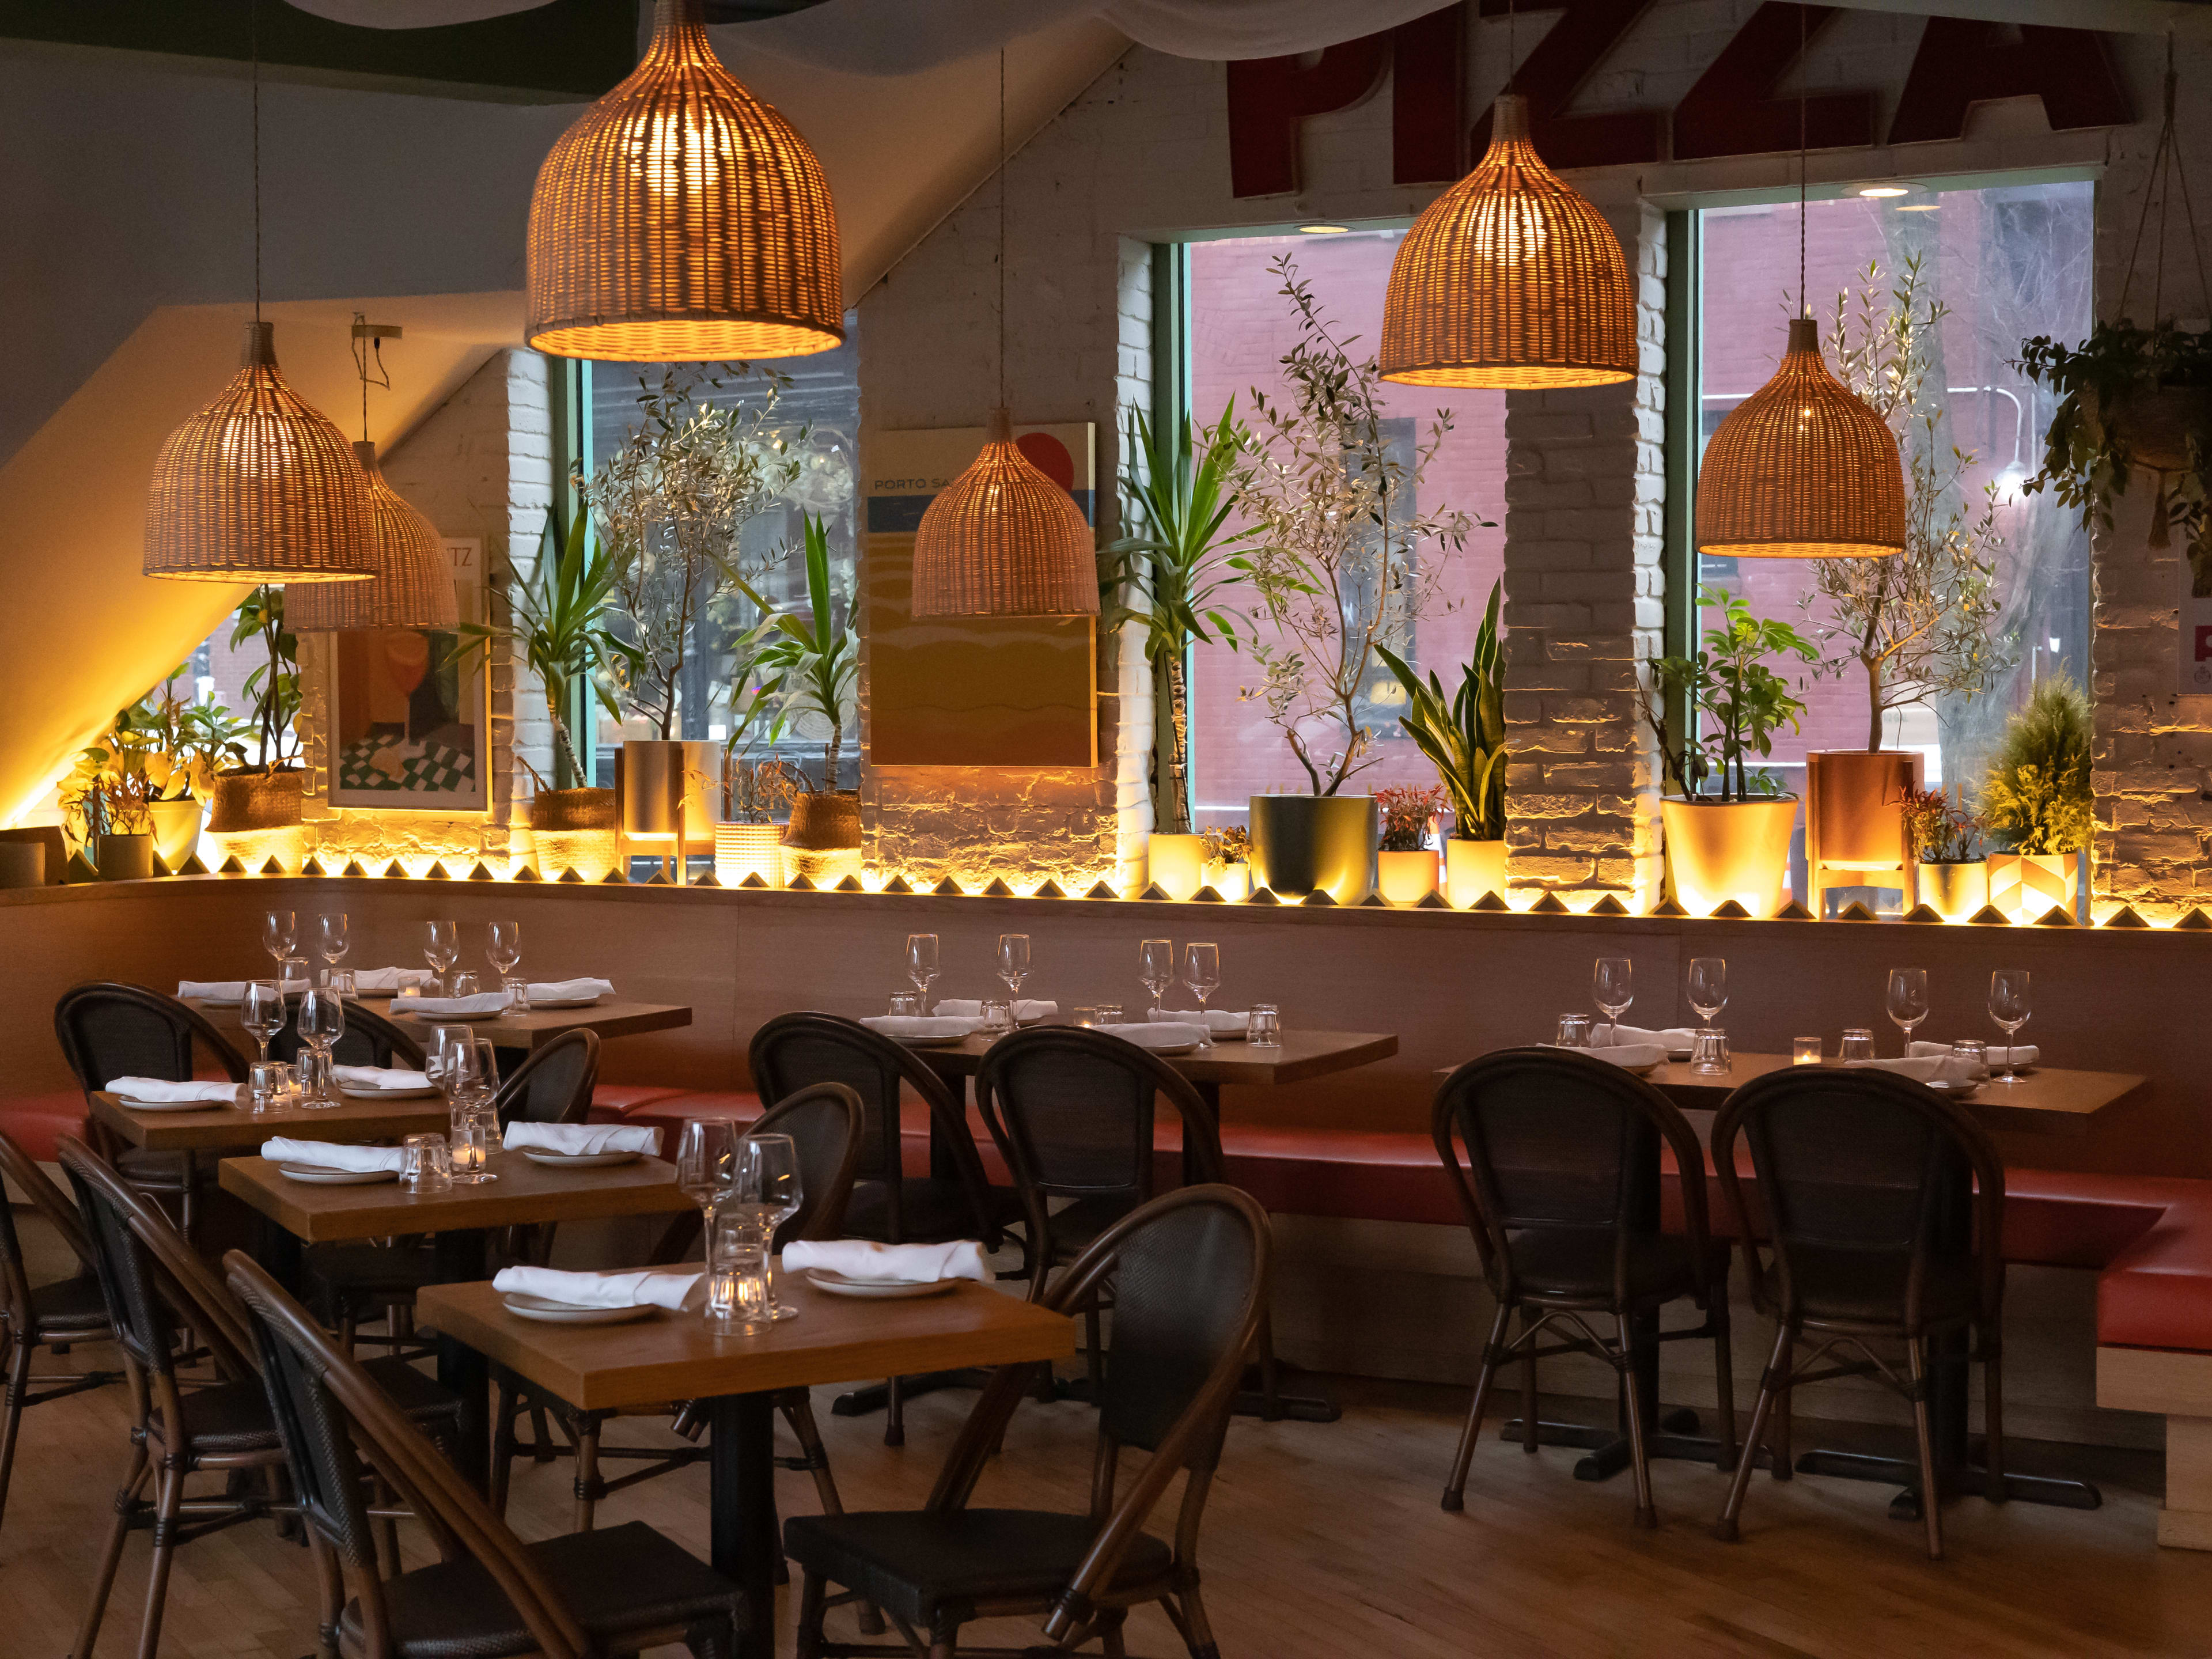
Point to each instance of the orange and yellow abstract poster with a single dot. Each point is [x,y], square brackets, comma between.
[409,720]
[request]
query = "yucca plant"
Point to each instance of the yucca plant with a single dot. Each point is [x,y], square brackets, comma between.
[815,658]
[1465,737]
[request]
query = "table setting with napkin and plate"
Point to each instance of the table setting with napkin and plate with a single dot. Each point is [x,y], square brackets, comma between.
[147,1094]
[1166,1036]
[556,1296]
[327,1163]
[581,1145]
[1222,1024]
[484,1005]
[862,1267]
[213,992]
[567,992]
[389,982]
[382,1082]
[1026,1012]
[924,1030]
[1676,1041]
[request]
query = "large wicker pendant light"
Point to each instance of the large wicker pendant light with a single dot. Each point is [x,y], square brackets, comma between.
[1802,468]
[1509,279]
[681,220]
[1003,539]
[257,487]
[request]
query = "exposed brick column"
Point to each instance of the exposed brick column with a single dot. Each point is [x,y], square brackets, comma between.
[1585,495]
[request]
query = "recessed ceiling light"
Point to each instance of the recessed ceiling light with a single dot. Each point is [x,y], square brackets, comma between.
[1324,230]
[1881,191]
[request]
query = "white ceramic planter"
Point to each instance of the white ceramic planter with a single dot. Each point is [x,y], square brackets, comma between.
[1407,877]
[1473,868]
[1175,864]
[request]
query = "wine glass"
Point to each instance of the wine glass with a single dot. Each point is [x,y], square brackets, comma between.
[441,948]
[1201,971]
[922,963]
[330,941]
[1708,986]
[767,1181]
[2009,1007]
[1156,967]
[279,934]
[262,1013]
[503,950]
[321,1023]
[1908,999]
[1613,987]
[1013,967]
[704,1156]
[451,1061]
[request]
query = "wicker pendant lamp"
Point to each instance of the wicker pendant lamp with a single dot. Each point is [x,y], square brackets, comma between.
[1509,279]
[1802,468]
[683,220]
[1003,539]
[257,487]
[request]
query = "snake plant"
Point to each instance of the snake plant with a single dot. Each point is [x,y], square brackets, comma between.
[1464,738]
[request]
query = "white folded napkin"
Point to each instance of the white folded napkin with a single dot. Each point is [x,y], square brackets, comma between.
[565,990]
[376,1077]
[381,980]
[1945,1068]
[1676,1040]
[909,1264]
[213,990]
[1026,1012]
[153,1088]
[2022,1053]
[1634,1056]
[1167,1034]
[631,1289]
[329,1155]
[484,1002]
[897,1026]
[1217,1019]
[583,1139]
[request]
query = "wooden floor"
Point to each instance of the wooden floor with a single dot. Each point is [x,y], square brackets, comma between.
[1321,1540]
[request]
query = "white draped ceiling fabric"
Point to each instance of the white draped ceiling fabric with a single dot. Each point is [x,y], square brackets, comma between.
[897,37]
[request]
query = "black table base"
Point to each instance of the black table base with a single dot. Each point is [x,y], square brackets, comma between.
[741,1535]
[1674,1438]
[1960,1480]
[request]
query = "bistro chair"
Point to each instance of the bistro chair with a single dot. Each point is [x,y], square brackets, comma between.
[1872,1237]
[55,1316]
[370,1039]
[107,1031]
[1191,1269]
[488,1596]
[1560,1188]
[954,1201]
[152,1281]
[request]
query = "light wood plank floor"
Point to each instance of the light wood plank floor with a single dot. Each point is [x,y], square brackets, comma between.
[1321,1540]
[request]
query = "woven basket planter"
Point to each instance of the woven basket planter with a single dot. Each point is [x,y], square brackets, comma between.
[824,822]
[575,829]
[256,800]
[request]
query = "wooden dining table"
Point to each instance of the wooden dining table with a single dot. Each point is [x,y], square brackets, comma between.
[230,1129]
[610,1017]
[674,1356]
[296,1213]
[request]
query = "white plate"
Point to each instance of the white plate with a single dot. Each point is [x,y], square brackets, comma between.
[315,1177]
[565,1002]
[221,1002]
[937,1042]
[422,1093]
[177,1105]
[1957,1090]
[883,1290]
[1172,1050]
[565,1313]
[578,1160]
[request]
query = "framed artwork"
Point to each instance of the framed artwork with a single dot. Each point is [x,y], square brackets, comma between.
[409,728]
[971,690]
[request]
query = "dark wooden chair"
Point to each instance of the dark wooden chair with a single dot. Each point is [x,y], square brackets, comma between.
[553,1084]
[954,1201]
[1192,1270]
[55,1316]
[488,1596]
[107,1031]
[1560,1187]
[1872,1237]
[152,1283]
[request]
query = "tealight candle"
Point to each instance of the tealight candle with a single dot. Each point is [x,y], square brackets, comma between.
[1805,1051]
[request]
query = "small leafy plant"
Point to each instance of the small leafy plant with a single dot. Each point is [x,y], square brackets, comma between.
[1407,813]
[108,791]
[1227,846]
[2037,797]
[1464,739]
[2090,447]
[1943,828]
[183,742]
[1738,701]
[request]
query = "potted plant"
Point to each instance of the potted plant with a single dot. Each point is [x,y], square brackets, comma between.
[1406,865]
[1329,490]
[266,794]
[1169,579]
[185,742]
[2130,399]
[1918,625]
[2037,801]
[106,798]
[1465,741]
[816,657]
[1953,878]
[1731,843]
[1229,861]
[748,842]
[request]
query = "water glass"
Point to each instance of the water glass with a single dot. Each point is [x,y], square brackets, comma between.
[1805,1051]
[268,1084]
[1709,1053]
[475,1127]
[739,1301]
[429,1164]
[313,1075]
[1976,1054]
[518,997]
[1858,1043]
[343,985]
[292,975]
[1083,1017]
[1108,1013]
[906,1003]
[462,985]
[998,1016]
[1574,1032]
[1264,1029]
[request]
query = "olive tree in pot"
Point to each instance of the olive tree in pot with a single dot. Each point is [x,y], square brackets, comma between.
[1465,741]
[1328,493]
[2038,803]
[1170,579]
[1732,843]
[1919,625]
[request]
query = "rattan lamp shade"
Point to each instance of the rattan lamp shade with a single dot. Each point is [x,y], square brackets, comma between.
[1002,539]
[681,220]
[1509,279]
[413,587]
[259,488]
[1802,468]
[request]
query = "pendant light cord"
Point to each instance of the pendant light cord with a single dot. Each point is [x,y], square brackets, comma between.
[1002,227]
[1804,308]
[2166,168]
[254,46]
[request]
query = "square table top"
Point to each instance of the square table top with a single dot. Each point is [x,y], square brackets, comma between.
[232,1129]
[1300,1056]
[524,1192]
[610,1017]
[673,1356]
